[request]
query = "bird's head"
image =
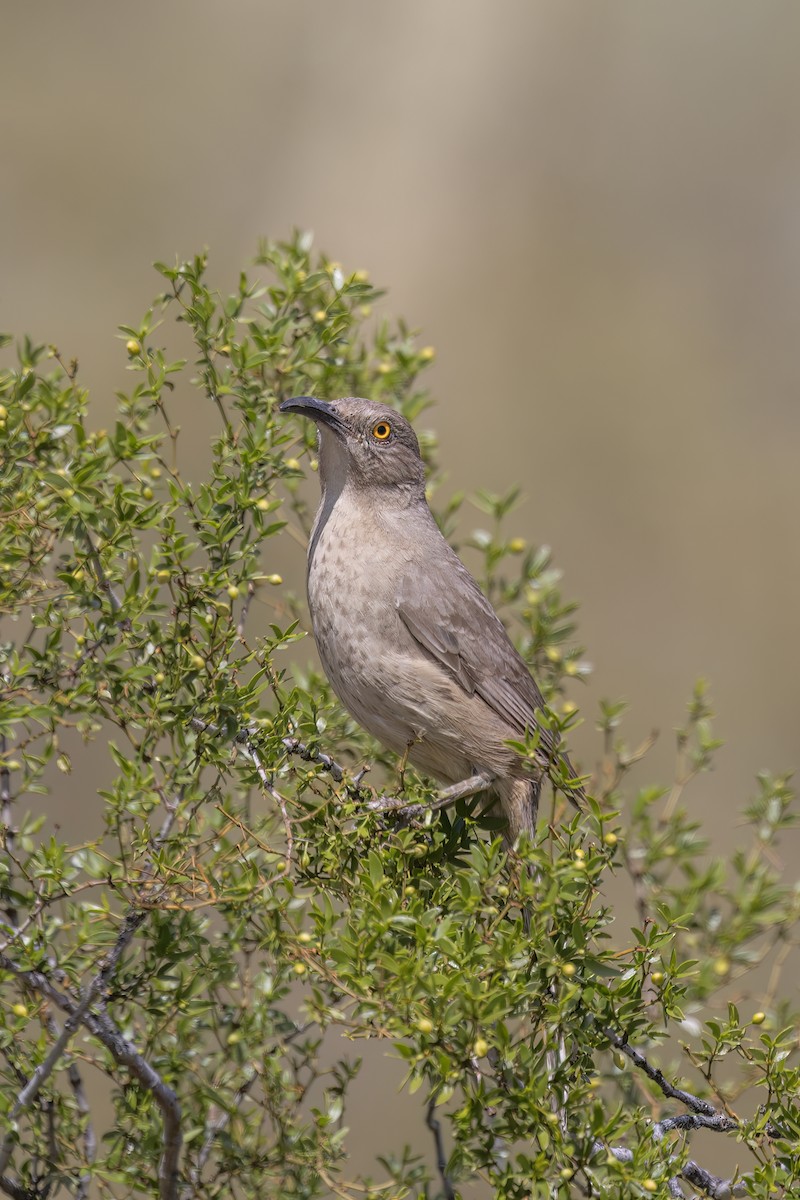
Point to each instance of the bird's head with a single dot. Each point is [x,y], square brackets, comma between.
[363,444]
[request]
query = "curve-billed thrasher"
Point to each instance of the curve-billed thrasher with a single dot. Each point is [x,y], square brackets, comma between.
[410,644]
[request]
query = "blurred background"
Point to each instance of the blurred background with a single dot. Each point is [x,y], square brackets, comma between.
[591,211]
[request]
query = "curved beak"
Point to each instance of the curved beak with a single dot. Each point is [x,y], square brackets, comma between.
[316,410]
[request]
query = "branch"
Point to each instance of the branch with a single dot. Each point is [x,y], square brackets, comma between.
[702,1116]
[123,1051]
[673,1093]
[441,1161]
[213,1130]
[244,739]
[459,791]
[15,1190]
[712,1185]
[295,746]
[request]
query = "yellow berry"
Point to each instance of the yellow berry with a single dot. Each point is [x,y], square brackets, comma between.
[427,353]
[304,936]
[568,708]
[79,639]
[567,1172]
[571,668]
[163,576]
[657,977]
[758,1018]
[722,965]
[198,661]
[275,580]
[133,347]
[19,1010]
[147,492]
[650,1185]
[319,315]
[155,472]
[580,853]
[517,545]
[234,1037]
[233,591]
[299,968]
[425,1025]
[569,970]
[3,412]
[262,505]
[480,1047]
[553,654]
[610,839]
[293,464]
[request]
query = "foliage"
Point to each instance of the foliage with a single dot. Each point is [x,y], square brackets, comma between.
[212,962]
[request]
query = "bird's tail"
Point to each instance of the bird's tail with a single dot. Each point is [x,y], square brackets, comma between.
[519,800]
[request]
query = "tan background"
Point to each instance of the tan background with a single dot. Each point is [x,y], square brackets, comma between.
[593,213]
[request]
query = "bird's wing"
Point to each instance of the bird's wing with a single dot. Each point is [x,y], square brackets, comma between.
[457,626]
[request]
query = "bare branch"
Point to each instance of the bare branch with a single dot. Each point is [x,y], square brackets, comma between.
[459,791]
[659,1079]
[712,1185]
[100,1024]
[441,1160]
[301,750]
[89,1139]
[15,1190]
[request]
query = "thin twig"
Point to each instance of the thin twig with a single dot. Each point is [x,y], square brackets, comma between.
[244,739]
[213,1130]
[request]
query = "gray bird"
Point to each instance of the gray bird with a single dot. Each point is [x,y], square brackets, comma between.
[411,646]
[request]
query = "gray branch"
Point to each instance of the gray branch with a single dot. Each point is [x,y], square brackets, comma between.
[702,1116]
[441,1160]
[122,1050]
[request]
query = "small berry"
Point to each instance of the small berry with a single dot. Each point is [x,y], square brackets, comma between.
[133,347]
[425,1025]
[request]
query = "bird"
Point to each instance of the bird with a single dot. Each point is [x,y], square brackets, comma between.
[408,641]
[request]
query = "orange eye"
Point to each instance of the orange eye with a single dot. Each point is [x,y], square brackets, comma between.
[381,431]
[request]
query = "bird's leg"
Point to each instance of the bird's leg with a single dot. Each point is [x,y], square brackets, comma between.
[458,791]
[410,744]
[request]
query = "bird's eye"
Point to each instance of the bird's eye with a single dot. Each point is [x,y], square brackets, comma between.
[381,431]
